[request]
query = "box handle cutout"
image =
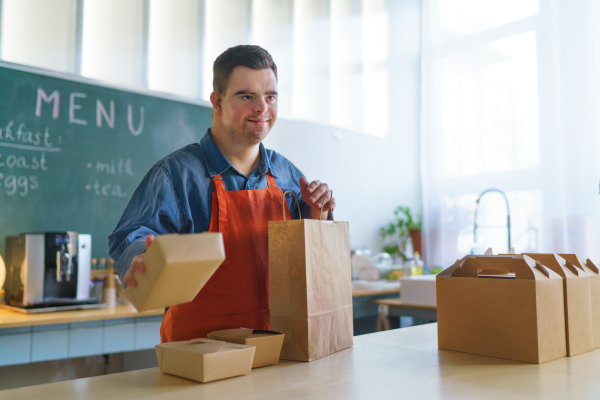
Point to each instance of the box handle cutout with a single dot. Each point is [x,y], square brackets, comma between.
[496,273]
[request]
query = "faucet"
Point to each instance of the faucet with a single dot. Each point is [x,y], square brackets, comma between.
[507,214]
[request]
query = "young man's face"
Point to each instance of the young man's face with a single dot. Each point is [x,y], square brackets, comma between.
[249,106]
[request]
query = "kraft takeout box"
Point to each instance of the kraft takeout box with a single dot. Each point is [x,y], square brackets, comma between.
[268,343]
[592,271]
[204,360]
[501,306]
[578,302]
[177,267]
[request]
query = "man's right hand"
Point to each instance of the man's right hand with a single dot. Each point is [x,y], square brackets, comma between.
[137,265]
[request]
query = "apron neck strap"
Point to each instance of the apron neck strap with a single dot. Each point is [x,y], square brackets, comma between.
[218,181]
[221,204]
[271,181]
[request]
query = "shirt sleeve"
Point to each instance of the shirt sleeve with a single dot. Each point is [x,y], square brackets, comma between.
[154,209]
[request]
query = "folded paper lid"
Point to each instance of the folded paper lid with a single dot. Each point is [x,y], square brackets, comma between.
[178,248]
[522,266]
[558,264]
[231,335]
[201,346]
[575,259]
[592,266]
[265,332]
[240,335]
[196,346]
[582,263]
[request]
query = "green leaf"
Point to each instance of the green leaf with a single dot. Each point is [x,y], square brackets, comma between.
[391,249]
[398,229]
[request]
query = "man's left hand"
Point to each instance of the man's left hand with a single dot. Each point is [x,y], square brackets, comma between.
[315,195]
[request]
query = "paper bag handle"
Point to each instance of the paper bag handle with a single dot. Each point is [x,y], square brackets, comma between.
[298,204]
[283,204]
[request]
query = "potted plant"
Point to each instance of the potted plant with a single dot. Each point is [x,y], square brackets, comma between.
[397,232]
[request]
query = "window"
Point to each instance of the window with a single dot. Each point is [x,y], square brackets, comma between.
[41,34]
[332,55]
[481,128]
[507,100]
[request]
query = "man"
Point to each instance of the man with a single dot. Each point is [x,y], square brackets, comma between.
[228,183]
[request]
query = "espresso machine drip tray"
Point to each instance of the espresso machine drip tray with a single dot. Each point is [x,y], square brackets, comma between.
[55,305]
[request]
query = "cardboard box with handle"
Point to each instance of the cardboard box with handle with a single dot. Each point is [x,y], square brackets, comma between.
[578,302]
[592,271]
[501,306]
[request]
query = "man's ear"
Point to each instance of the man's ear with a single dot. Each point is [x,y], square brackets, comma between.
[216,100]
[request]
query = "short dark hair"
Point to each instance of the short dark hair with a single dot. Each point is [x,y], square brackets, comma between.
[254,57]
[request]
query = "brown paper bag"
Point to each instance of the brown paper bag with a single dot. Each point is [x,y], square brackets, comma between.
[310,287]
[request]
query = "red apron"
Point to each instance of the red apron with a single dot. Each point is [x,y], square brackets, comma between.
[237,295]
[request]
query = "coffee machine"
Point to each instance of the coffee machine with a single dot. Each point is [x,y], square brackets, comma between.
[48,271]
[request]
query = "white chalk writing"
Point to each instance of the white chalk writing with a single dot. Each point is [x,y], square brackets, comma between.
[22,162]
[101,112]
[41,95]
[18,184]
[73,107]
[9,137]
[107,189]
[116,167]
[134,131]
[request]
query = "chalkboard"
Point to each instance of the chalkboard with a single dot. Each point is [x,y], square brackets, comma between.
[72,151]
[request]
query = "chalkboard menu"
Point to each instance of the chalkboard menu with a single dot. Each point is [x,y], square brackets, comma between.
[72,151]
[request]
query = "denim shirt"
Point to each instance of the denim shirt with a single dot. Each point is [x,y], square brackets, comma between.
[175,196]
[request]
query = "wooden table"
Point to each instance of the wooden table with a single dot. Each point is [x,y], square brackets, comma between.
[366,312]
[401,363]
[397,308]
[374,292]
[13,319]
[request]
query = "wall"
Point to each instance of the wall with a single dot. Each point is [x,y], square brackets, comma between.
[370,176]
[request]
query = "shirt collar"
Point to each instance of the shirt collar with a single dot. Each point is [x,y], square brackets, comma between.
[217,163]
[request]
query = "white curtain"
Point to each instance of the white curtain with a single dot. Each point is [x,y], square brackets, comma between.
[509,99]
